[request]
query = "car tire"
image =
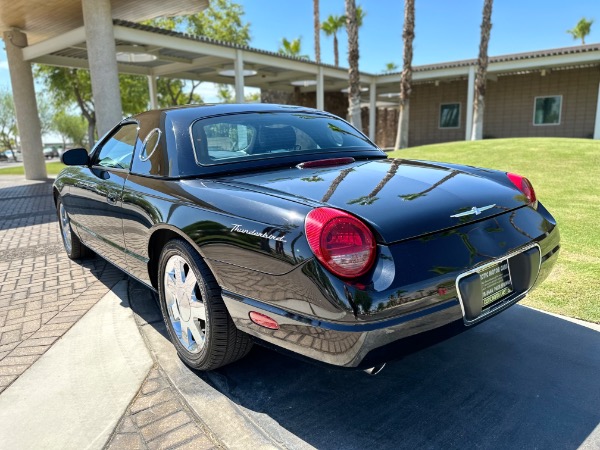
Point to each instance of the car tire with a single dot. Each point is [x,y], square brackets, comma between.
[73,246]
[197,320]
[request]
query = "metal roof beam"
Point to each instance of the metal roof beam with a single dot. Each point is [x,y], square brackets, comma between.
[55,44]
[545,62]
[499,67]
[64,61]
[197,63]
[173,42]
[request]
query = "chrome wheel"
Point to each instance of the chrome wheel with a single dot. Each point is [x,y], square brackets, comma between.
[184,303]
[65,228]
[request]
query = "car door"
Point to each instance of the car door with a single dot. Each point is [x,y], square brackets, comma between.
[97,194]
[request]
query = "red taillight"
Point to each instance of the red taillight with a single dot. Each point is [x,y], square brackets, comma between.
[340,241]
[263,320]
[524,185]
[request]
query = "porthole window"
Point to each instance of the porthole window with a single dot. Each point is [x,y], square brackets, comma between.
[149,145]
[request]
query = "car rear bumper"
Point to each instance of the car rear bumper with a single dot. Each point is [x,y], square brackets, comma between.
[368,342]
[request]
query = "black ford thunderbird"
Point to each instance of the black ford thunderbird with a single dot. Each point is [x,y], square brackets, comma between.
[287,226]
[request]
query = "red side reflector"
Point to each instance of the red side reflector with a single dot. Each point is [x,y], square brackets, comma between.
[263,321]
[326,162]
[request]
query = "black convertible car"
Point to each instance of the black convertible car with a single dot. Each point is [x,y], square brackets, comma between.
[288,225]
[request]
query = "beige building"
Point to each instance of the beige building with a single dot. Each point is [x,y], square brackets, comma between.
[538,94]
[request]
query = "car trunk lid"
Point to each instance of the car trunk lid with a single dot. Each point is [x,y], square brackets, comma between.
[400,199]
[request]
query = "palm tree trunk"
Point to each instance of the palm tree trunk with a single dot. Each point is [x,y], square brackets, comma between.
[353,74]
[408,35]
[335,183]
[480,77]
[336,53]
[317,26]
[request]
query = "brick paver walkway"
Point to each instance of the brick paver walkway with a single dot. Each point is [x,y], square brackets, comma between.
[159,419]
[42,292]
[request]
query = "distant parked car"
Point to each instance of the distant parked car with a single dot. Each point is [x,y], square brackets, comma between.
[3,156]
[50,152]
[10,155]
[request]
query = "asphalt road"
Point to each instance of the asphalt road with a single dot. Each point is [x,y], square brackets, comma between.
[523,379]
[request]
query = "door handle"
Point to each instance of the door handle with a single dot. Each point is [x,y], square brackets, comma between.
[111,198]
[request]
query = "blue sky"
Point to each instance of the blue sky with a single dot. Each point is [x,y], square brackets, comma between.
[445,30]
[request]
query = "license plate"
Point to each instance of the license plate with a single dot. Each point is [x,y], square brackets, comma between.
[495,282]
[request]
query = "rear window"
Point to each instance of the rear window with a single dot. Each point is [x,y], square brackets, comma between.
[238,137]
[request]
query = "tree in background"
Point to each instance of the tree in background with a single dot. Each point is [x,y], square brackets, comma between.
[354,114]
[331,27]
[226,94]
[68,87]
[582,29]
[408,36]
[390,67]
[253,97]
[45,112]
[292,48]
[317,30]
[8,122]
[74,87]
[480,77]
[222,21]
[71,128]
[173,91]
[360,16]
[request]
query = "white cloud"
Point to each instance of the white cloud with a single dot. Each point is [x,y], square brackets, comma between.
[3,65]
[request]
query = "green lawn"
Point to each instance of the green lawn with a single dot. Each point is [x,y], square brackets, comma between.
[566,176]
[53,168]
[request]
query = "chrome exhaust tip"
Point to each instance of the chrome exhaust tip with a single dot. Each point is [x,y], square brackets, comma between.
[375,370]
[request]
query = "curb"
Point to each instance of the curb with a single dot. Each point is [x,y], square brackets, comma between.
[236,427]
[76,393]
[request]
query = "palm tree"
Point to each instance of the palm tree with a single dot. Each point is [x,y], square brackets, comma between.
[331,27]
[360,16]
[582,29]
[390,67]
[482,63]
[317,27]
[292,48]
[408,35]
[354,114]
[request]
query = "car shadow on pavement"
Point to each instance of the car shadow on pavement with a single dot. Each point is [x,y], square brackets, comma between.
[24,205]
[523,379]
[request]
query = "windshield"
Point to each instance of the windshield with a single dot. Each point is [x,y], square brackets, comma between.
[250,136]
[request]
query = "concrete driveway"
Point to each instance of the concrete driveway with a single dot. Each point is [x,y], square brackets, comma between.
[524,379]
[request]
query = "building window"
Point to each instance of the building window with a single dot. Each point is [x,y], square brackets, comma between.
[450,115]
[546,110]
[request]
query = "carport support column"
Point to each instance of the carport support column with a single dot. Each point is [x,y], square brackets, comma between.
[373,111]
[320,89]
[239,76]
[597,125]
[470,97]
[100,39]
[28,121]
[153,91]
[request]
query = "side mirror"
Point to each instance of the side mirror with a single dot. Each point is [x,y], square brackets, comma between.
[75,157]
